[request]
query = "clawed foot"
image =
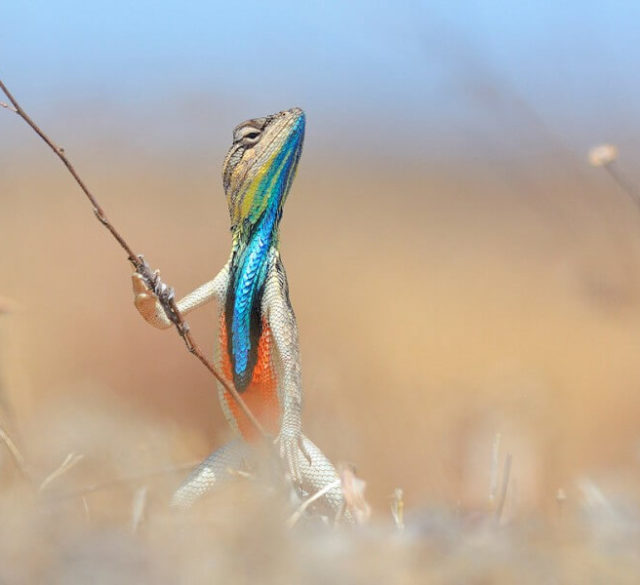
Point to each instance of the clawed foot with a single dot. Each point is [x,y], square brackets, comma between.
[291,449]
[152,281]
[150,294]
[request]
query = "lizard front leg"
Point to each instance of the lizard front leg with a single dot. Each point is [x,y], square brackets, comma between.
[282,323]
[151,310]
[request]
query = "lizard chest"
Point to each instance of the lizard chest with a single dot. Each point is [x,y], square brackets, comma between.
[260,392]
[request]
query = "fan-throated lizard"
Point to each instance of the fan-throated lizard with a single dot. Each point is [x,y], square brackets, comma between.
[258,338]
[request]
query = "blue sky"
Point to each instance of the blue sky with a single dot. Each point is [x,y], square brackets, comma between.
[441,75]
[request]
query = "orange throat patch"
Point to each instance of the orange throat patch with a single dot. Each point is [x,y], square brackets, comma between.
[261,395]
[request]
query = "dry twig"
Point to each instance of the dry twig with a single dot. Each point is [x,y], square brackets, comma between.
[164,293]
[69,461]
[86,510]
[14,451]
[8,107]
[300,511]
[495,458]
[397,508]
[605,156]
[138,507]
[505,486]
[119,482]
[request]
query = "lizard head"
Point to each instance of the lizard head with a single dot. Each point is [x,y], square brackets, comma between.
[259,167]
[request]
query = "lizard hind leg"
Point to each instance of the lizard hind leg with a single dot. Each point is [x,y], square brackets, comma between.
[319,474]
[216,468]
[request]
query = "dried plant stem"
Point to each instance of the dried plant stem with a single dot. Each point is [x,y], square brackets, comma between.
[70,461]
[124,481]
[397,508]
[165,294]
[8,107]
[15,453]
[495,458]
[623,183]
[138,507]
[85,508]
[300,511]
[505,486]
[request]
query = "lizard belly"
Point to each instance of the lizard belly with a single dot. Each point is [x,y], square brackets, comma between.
[260,395]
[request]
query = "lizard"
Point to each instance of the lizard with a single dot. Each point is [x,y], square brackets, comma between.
[258,348]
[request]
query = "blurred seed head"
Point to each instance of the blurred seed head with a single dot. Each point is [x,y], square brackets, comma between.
[602,155]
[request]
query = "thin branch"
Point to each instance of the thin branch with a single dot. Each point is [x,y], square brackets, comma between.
[605,156]
[165,294]
[8,107]
[623,183]
[17,108]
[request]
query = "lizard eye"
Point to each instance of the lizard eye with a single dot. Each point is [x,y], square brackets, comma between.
[246,135]
[250,138]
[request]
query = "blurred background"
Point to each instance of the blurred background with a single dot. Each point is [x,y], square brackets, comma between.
[457,268]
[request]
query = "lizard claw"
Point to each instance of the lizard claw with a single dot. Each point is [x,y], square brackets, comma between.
[139,284]
[148,290]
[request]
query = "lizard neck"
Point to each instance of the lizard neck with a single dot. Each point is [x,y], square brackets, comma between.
[257,176]
[251,257]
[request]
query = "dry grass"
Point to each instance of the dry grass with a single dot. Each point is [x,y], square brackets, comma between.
[437,307]
[125,533]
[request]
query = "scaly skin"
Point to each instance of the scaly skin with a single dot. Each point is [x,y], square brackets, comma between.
[258,342]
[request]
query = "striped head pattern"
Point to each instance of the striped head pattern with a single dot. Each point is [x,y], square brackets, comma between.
[257,175]
[260,166]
